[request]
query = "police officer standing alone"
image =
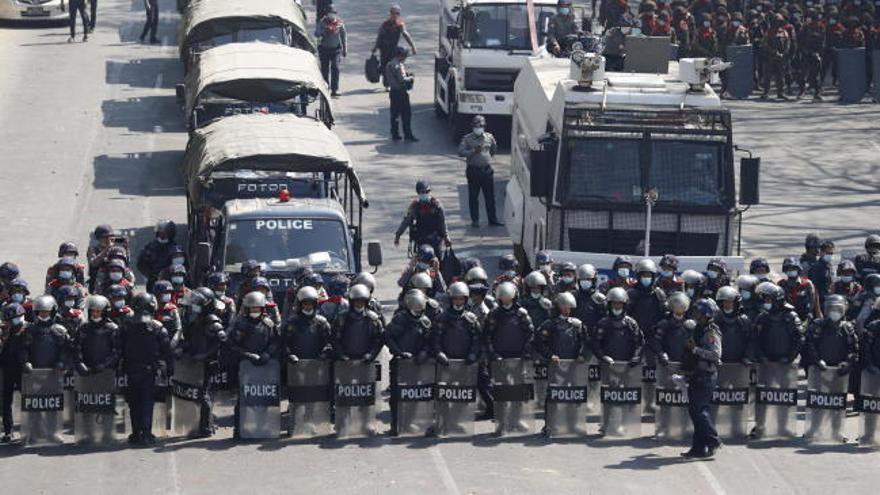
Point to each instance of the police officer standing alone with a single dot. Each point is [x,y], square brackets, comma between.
[331,32]
[700,362]
[399,82]
[478,148]
[425,220]
[152,9]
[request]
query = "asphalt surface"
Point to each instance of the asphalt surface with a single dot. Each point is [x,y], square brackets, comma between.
[91,134]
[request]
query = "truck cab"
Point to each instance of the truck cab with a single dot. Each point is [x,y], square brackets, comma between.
[482,47]
[605,164]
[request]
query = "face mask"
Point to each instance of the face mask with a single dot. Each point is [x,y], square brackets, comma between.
[566,10]
[792,273]
[567,279]
[478,131]
[832,22]
[424,198]
[177,261]
[165,298]
[746,295]
[17,297]
[768,306]
[761,276]
[647,281]
[162,240]
[666,274]
[421,266]
[835,316]
[690,293]
[736,24]
[585,284]
[827,258]
[846,279]
[877,291]
[661,22]
[70,303]
[507,306]
[116,276]
[308,312]
[119,303]
[176,280]
[711,274]
[728,311]
[358,308]
[546,268]
[535,295]
[707,24]
[65,274]
[623,272]
[146,318]
[17,321]
[196,309]
[95,319]
[510,274]
[44,318]
[617,311]
[415,314]
[219,293]
[255,314]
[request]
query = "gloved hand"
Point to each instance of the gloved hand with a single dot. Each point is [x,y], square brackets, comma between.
[580,359]
[471,359]
[608,360]
[162,366]
[264,358]
[442,359]
[794,363]
[690,324]
[663,358]
[405,355]
[555,359]
[344,357]
[221,336]
[634,362]
[293,358]
[27,368]
[843,368]
[82,369]
[821,364]
[250,356]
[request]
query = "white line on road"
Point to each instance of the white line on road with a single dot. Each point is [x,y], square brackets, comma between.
[445,474]
[710,478]
[175,473]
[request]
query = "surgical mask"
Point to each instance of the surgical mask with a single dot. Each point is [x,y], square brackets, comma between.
[711,274]
[761,276]
[308,312]
[623,272]
[661,22]
[424,197]
[535,295]
[564,10]
[255,314]
[358,308]
[768,306]
[162,240]
[727,311]
[196,309]
[96,319]
[65,274]
[478,131]
[546,267]
[176,280]
[422,266]
[116,276]
[458,307]
[877,291]
[832,21]
[846,279]
[146,318]
[165,298]
[70,303]
[585,284]
[666,274]
[44,318]
[507,306]
[510,274]
[17,297]
[827,258]
[690,292]
[706,23]
[567,279]
[119,303]
[746,295]
[791,273]
[647,281]
[177,261]
[617,311]
[835,316]
[218,293]
[736,24]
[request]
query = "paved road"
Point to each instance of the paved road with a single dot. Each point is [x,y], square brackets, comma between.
[91,134]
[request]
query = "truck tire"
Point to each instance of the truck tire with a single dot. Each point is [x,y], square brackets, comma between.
[438,110]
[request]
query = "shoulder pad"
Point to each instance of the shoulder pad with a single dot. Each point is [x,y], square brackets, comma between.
[268,322]
[320,319]
[425,321]
[522,312]
[545,303]
[371,315]
[59,330]
[744,319]
[576,322]
[433,303]
[212,318]
[470,317]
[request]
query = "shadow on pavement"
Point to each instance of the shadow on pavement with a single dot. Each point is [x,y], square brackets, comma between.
[140,174]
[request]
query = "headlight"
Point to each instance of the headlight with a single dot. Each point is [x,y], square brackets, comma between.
[471,98]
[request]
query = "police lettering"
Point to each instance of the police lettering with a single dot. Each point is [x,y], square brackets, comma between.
[670,397]
[870,404]
[821,400]
[261,390]
[252,188]
[186,391]
[284,224]
[94,399]
[567,394]
[621,395]
[355,390]
[649,375]
[594,373]
[450,393]
[417,393]
[777,397]
[541,372]
[730,396]
[39,403]
[219,378]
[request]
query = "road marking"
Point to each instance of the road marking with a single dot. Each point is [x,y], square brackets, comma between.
[445,474]
[175,473]
[710,478]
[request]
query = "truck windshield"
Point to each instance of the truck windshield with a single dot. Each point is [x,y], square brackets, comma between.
[279,239]
[616,171]
[503,27]
[276,35]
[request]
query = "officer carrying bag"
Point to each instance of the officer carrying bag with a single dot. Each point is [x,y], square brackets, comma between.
[372,69]
[450,266]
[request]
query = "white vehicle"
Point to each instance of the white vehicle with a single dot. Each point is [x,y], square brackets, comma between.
[483,46]
[34,10]
[604,164]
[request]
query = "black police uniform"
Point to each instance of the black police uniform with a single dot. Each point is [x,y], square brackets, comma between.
[97,346]
[426,221]
[254,340]
[307,336]
[145,350]
[456,335]
[562,336]
[540,310]
[778,335]
[358,335]
[832,342]
[11,358]
[46,345]
[738,338]
[507,333]
[620,338]
[153,258]
[669,337]
[201,342]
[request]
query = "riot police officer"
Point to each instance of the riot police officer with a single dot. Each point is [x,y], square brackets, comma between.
[306,334]
[647,302]
[590,302]
[869,261]
[145,352]
[567,281]
[622,269]
[407,338]
[778,333]
[535,299]
[618,336]
[425,219]
[668,280]
[508,331]
[167,312]
[119,309]
[750,303]
[157,254]
[254,337]
[760,268]
[46,342]
[422,283]
[508,268]
[694,284]
[97,342]
[225,306]
[775,47]
[672,332]
[250,271]
[358,333]
[799,290]
[335,303]
[700,363]
[478,148]
[71,252]
[563,336]
[846,286]
[717,276]
[367,280]
[15,326]
[456,333]
[735,327]
[811,42]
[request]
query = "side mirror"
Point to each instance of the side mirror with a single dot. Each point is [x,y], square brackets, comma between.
[203,257]
[453,32]
[749,179]
[374,253]
[180,93]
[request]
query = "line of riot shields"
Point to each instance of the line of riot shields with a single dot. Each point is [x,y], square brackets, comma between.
[575,398]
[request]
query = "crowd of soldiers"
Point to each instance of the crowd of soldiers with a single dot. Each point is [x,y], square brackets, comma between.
[794,42]
[90,317]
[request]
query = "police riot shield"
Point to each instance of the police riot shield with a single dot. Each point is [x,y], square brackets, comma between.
[161,404]
[69,398]
[621,398]
[649,384]
[671,419]
[875,77]
[565,410]
[776,399]
[456,398]
[222,381]
[309,392]
[540,380]
[851,74]
[414,395]
[188,391]
[826,405]
[354,398]
[514,394]
[259,400]
[869,401]
[94,418]
[594,376]
[732,400]
[42,407]
[740,75]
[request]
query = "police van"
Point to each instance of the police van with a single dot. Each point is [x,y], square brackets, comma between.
[279,189]
[482,47]
[604,164]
